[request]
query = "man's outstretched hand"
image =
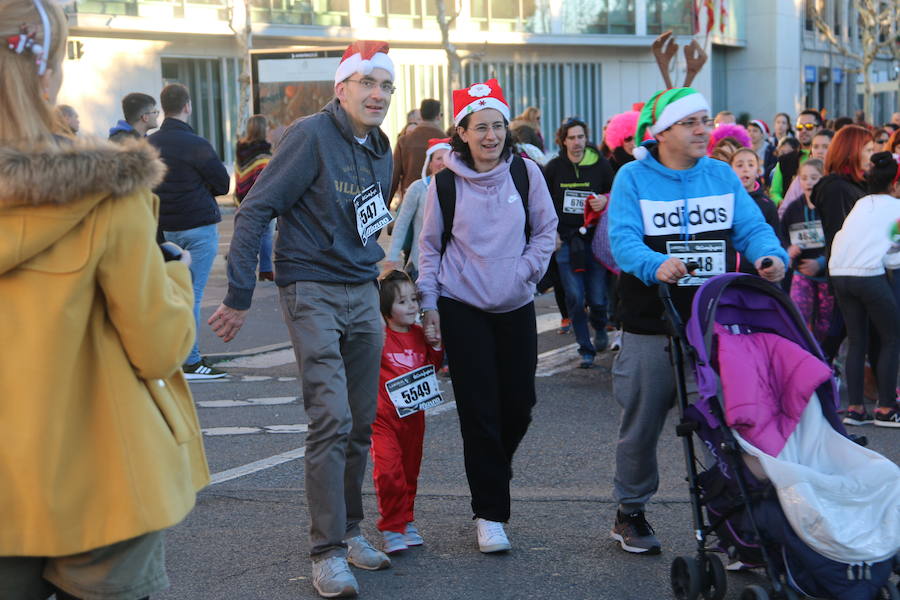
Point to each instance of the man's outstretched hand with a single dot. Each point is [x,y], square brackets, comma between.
[227,321]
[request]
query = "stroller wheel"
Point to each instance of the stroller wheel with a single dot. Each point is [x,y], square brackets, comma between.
[754,592]
[715,583]
[687,578]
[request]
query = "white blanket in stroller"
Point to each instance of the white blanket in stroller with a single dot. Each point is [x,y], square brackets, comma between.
[843,500]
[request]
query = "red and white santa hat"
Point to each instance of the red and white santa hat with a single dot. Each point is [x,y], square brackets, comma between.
[763,126]
[434,144]
[478,97]
[364,56]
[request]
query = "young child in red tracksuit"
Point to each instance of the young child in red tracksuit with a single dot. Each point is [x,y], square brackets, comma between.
[408,367]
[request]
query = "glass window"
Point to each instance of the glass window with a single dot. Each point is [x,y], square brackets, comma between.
[598,16]
[663,15]
[504,15]
[301,12]
[202,77]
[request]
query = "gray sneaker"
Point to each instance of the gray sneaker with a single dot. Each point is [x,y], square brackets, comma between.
[634,533]
[363,555]
[332,578]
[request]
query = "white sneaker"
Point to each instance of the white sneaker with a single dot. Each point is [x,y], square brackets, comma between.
[412,535]
[615,340]
[393,542]
[363,555]
[332,578]
[491,536]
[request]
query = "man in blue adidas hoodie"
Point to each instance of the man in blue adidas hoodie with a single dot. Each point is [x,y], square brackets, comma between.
[671,206]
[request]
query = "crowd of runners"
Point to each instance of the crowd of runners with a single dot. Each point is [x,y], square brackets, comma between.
[485,216]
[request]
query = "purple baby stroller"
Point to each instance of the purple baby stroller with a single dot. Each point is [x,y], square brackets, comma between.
[736,507]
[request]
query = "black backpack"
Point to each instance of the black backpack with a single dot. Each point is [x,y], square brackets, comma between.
[445,184]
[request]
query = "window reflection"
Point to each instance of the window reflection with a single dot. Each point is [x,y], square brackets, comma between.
[663,15]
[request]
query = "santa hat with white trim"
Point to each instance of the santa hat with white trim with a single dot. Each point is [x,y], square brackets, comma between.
[664,109]
[478,97]
[364,56]
[763,126]
[434,144]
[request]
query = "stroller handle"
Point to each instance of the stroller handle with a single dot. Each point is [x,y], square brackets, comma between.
[676,325]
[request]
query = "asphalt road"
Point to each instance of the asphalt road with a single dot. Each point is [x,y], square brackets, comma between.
[247,537]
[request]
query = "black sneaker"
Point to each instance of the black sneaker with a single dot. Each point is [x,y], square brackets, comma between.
[201,371]
[852,417]
[635,534]
[889,419]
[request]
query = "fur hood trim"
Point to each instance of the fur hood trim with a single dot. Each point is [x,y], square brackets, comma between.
[69,172]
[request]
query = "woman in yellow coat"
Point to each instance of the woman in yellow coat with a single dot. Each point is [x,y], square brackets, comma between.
[100,448]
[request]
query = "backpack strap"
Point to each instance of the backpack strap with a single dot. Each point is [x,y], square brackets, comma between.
[445,185]
[519,173]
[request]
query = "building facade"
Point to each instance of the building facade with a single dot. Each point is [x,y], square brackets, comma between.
[589,58]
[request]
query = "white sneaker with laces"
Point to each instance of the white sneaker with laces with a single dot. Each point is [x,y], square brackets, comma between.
[491,536]
[332,578]
[363,555]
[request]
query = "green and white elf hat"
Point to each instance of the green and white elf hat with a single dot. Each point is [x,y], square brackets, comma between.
[663,110]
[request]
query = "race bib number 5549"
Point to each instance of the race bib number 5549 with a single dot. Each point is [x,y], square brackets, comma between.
[415,391]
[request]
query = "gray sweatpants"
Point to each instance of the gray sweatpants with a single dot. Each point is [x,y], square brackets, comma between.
[337,334]
[644,386]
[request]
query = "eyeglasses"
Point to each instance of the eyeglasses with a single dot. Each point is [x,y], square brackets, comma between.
[152,112]
[370,84]
[630,138]
[706,122]
[806,126]
[497,128]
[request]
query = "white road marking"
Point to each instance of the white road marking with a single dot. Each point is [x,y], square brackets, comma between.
[252,378]
[280,459]
[282,379]
[229,430]
[259,465]
[261,361]
[247,402]
[214,431]
[554,361]
[548,322]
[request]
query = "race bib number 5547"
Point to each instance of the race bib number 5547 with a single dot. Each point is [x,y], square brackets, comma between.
[372,213]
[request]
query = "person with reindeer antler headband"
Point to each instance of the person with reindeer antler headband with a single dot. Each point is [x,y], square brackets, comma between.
[671,206]
[102,450]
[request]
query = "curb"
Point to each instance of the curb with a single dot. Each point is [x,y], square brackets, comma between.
[218,357]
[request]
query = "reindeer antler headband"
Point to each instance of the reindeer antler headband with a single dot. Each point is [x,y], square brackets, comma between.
[664,49]
[26,40]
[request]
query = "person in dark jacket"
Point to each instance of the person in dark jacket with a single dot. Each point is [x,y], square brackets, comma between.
[747,166]
[141,115]
[580,175]
[188,212]
[847,160]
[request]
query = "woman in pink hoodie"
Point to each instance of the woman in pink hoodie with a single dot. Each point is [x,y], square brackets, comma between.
[477,286]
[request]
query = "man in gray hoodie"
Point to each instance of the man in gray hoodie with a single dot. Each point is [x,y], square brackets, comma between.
[325,185]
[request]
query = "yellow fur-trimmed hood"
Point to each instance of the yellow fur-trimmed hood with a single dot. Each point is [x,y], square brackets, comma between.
[68,173]
[45,193]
